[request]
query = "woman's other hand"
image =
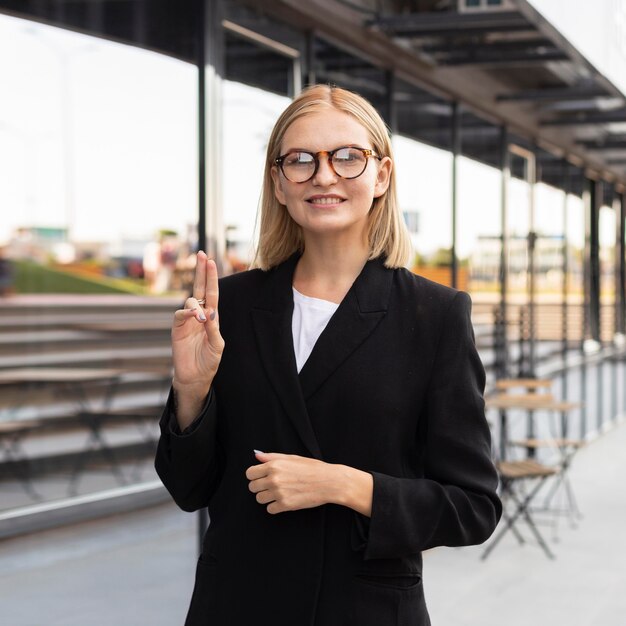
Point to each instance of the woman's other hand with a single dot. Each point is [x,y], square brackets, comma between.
[197,344]
[288,482]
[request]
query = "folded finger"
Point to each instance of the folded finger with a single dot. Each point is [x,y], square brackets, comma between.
[182,315]
[192,304]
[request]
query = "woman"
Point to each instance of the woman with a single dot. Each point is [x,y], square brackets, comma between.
[330,415]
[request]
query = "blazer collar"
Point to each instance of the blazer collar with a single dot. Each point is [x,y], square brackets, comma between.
[358,314]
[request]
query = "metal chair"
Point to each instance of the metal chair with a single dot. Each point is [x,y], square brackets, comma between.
[513,478]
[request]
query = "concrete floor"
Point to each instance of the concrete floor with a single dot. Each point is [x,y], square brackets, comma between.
[137,569]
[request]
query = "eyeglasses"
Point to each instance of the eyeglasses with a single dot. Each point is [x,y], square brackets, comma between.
[299,166]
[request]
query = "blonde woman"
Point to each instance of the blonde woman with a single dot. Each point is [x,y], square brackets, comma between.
[328,410]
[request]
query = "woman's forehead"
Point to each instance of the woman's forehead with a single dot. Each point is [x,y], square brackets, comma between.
[325,130]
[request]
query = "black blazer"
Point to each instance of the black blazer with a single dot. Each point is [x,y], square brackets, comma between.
[393,387]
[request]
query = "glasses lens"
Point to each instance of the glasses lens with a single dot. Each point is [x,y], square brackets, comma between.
[349,162]
[298,166]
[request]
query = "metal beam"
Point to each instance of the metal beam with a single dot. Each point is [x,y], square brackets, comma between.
[450,23]
[554,93]
[499,46]
[612,143]
[608,117]
[504,59]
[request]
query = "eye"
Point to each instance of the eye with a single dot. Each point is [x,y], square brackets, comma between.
[347,155]
[299,158]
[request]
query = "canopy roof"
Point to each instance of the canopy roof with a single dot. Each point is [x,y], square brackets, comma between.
[503,66]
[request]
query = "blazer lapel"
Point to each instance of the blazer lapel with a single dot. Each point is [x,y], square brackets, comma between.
[357,316]
[271,318]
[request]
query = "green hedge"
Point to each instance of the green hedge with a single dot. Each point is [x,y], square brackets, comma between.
[33,278]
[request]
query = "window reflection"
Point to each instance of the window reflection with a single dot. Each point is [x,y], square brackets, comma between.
[98,159]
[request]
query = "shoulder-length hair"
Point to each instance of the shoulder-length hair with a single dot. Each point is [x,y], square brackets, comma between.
[279,235]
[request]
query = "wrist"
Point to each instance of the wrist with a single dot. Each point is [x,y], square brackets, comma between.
[188,402]
[191,391]
[355,489]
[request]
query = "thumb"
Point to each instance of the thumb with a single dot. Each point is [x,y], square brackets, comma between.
[264,456]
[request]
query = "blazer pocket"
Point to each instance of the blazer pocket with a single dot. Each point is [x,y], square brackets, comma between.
[400,581]
[378,599]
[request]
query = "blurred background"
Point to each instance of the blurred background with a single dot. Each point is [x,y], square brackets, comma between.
[133,133]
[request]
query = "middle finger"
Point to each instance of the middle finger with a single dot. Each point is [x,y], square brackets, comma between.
[199,282]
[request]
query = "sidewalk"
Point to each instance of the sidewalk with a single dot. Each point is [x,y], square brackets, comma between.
[518,586]
[136,569]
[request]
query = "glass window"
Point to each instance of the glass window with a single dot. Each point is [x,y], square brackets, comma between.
[607,234]
[98,150]
[424,193]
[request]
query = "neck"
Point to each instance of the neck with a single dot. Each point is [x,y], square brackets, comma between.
[328,268]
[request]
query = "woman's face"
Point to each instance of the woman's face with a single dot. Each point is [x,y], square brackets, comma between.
[327,204]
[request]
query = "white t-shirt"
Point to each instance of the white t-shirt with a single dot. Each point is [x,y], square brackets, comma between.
[310,316]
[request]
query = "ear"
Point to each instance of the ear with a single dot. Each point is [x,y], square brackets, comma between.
[278,185]
[383,177]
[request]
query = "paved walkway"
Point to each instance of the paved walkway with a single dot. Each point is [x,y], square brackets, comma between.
[137,569]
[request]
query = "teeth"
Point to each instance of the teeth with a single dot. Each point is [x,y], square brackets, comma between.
[326,201]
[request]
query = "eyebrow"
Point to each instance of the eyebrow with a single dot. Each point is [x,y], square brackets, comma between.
[343,145]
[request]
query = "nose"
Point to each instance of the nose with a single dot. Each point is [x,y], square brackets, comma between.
[325,174]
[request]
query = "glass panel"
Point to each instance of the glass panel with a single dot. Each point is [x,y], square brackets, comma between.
[426,202]
[478,246]
[98,158]
[575,232]
[249,116]
[549,226]
[258,86]
[607,273]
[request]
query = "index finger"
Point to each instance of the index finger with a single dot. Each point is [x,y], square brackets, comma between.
[199,281]
[256,471]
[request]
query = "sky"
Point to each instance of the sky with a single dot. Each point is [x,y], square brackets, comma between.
[596,27]
[102,136]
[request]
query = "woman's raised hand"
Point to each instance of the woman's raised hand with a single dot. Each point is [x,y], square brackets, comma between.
[197,344]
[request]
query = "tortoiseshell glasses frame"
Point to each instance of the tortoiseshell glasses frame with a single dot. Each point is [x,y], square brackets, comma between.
[344,164]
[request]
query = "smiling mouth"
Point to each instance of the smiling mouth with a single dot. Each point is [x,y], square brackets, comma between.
[325,201]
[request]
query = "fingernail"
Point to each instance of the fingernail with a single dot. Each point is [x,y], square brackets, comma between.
[202,316]
[259,452]
[212,316]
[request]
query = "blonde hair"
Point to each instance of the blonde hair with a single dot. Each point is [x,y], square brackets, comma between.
[279,235]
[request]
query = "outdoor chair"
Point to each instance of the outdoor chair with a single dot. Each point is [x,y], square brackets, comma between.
[515,477]
[567,448]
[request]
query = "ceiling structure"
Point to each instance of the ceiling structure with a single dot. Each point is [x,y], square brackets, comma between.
[506,66]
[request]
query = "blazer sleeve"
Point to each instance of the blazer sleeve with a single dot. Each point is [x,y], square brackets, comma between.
[188,462]
[455,503]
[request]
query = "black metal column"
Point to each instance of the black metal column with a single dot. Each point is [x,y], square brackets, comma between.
[456,152]
[567,186]
[620,263]
[531,178]
[505,169]
[309,75]
[391,111]
[210,60]
[620,292]
[592,257]
[502,356]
